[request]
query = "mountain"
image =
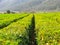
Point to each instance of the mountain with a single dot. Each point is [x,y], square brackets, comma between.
[30,5]
[43,5]
[50,5]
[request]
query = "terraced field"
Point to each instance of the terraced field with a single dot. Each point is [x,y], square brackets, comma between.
[30,29]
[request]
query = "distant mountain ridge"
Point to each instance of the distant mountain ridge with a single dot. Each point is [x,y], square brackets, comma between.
[31,5]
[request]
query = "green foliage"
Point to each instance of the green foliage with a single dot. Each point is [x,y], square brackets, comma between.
[48,28]
[8,11]
[6,19]
[16,33]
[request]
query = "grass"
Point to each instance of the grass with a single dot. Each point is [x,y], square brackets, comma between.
[16,33]
[6,19]
[46,26]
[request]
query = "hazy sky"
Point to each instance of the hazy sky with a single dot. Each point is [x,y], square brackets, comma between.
[10,4]
[22,5]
